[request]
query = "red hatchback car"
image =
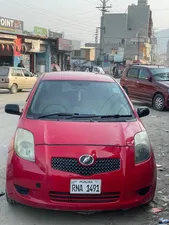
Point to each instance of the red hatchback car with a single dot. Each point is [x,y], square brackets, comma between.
[147,84]
[80,146]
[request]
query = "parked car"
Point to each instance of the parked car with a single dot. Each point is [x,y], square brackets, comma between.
[16,79]
[80,146]
[95,69]
[148,84]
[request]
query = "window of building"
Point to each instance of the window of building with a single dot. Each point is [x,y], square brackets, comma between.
[77,53]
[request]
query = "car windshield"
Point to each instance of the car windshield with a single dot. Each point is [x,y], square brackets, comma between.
[160,74]
[4,71]
[61,98]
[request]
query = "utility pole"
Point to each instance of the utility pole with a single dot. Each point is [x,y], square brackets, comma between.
[96,43]
[138,57]
[103,8]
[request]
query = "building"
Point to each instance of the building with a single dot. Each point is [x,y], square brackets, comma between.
[131,31]
[39,50]
[10,40]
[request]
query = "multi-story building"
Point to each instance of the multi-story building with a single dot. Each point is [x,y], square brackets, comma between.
[131,31]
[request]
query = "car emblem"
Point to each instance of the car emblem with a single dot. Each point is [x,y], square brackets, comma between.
[86,160]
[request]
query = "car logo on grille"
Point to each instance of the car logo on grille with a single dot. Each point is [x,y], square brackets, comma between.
[86,160]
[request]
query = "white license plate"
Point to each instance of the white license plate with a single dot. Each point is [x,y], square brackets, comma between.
[85,187]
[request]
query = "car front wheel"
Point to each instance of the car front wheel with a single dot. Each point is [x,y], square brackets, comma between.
[159,102]
[9,200]
[14,89]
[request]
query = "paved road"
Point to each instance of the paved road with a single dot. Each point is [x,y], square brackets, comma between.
[157,125]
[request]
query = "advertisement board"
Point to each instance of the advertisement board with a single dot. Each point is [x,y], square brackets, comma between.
[40,31]
[10,25]
[54,35]
[64,45]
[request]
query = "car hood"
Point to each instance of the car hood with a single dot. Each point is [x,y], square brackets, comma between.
[82,133]
[164,83]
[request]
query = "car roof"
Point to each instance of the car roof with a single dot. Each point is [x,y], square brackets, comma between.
[148,66]
[83,76]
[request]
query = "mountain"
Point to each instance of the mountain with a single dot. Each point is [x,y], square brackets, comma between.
[162,39]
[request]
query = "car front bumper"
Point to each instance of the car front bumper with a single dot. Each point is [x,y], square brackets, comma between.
[28,184]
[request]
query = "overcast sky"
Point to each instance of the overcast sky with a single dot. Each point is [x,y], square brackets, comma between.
[77,18]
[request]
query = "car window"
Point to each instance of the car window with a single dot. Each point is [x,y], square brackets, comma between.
[18,72]
[4,71]
[133,73]
[144,74]
[160,74]
[27,73]
[82,97]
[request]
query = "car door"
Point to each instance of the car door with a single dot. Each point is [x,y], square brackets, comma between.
[18,77]
[30,79]
[131,82]
[145,86]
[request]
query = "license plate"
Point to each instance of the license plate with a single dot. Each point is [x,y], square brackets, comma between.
[85,187]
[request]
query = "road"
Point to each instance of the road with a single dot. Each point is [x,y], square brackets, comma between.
[157,125]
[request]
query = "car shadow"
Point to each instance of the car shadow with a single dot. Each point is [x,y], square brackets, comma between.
[143,104]
[8,92]
[64,218]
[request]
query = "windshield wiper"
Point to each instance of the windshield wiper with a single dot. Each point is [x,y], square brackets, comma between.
[56,114]
[115,116]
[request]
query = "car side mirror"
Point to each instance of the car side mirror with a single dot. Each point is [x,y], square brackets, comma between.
[12,109]
[142,112]
[149,79]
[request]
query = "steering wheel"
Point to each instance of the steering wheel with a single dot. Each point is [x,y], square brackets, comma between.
[55,105]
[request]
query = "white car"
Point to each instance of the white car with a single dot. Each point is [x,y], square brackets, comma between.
[96,69]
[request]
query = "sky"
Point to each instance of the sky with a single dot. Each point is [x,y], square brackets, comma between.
[78,19]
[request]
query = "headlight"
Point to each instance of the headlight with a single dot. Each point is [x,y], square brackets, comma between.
[24,145]
[142,147]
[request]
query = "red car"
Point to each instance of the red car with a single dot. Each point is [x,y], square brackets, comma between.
[147,84]
[79,146]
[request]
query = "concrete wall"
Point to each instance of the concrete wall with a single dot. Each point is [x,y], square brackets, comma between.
[138,18]
[76,45]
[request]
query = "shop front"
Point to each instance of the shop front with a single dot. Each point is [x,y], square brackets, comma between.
[36,57]
[54,59]
[9,42]
[64,47]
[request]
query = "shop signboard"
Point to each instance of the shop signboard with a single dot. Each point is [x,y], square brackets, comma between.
[64,45]
[54,35]
[40,31]
[10,25]
[35,46]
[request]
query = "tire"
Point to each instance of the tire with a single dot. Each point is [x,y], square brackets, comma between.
[159,102]
[14,89]
[10,201]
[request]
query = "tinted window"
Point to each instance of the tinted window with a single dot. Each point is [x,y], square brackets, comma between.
[144,74]
[83,97]
[4,71]
[133,73]
[160,74]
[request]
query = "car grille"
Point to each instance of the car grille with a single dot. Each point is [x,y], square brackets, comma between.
[73,166]
[66,197]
